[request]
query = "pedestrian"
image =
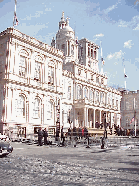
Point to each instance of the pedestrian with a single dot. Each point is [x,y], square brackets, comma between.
[45,135]
[80,132]
[62,136]
[85,132]
[69,133]
[120,131]
[110,130]
[57,134]
[74,131]
[101,125]
[40,136]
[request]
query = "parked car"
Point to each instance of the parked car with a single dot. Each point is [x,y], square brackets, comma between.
[5,148]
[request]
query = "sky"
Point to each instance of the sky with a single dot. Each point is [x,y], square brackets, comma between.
[114,23]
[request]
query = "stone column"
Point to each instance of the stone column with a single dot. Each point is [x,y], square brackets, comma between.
[111,119]
[74,117]
[85,117]
[61,112]
[100,117]
[94,118]
[67,48]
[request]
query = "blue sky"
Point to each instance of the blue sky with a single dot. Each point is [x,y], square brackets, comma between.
[114,22]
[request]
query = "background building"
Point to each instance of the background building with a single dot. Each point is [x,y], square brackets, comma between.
[129,109]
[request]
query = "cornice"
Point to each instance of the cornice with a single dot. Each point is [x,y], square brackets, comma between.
[32,41]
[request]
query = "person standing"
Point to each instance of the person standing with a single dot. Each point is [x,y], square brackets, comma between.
[40,136]
[57,134]
[69,133]
[45,134]
[62,136]
[82,132]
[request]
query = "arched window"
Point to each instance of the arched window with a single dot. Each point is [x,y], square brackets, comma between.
[102,97]
[50,109]
[86,93]
[37,74]
[91,95]
[96,96]
[79,92]
[22,66]
[21,106]
[36,108]
[51,75]
[72,49]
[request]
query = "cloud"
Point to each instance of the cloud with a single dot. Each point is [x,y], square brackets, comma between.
[137,27]
[122,23]
[134,23]
[110,8]
[99,35]
[128,44]
[116,55]
[48,9]
[37,14]
[31,30]
[47,38]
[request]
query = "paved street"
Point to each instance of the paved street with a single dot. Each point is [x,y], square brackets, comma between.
[59,166]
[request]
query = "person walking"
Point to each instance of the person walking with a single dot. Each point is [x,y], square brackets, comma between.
[45,135]
[40,136]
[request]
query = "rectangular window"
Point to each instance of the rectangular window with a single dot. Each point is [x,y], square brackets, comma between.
[94,54]
[117,104]
[97,79]
[127,105]
[112,102]
[69,92]
[81,51]
[22,66]
[89,52]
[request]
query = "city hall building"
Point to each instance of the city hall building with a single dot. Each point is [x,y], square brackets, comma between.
[52,86]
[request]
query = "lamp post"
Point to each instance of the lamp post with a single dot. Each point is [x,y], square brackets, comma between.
[105,131]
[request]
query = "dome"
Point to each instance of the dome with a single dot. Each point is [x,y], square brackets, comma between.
[67,29]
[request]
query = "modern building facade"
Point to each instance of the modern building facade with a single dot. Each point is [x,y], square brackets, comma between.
[43,86]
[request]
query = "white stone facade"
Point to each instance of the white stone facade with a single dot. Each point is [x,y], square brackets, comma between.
[43,86]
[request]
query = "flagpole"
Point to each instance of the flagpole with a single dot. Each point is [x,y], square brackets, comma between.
[135,117]
[124,75]
[124,78]
[14,13]
[101,57]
